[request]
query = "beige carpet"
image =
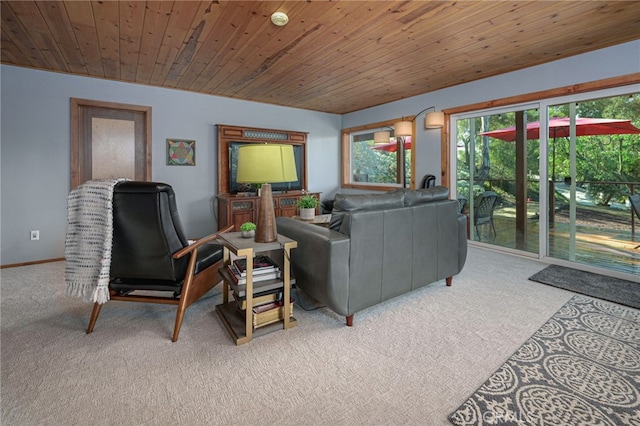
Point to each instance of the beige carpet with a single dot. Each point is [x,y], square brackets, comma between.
[410,361]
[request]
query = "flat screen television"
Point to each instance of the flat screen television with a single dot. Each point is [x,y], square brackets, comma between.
[235,187]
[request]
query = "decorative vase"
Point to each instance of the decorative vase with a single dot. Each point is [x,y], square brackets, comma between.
[249,234]
[307,214]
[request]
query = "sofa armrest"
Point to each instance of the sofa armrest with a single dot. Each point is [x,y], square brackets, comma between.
[320,263]
[462,241]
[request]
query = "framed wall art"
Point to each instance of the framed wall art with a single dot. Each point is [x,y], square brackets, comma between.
[181,152]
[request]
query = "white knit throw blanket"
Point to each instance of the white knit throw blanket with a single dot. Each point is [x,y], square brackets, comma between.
[87,247]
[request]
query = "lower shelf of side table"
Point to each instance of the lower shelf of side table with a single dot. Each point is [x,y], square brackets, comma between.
[234,322]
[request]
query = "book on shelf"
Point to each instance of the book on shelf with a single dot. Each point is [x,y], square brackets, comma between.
[261,263]
[270,275]
[260,298]
[269,313]
[256,273]
[260,271]
[258,286]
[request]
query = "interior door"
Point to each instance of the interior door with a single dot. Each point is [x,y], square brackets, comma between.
[109,140]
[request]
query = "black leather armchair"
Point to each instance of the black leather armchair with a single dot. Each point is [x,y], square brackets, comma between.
[428,181]
[150,252]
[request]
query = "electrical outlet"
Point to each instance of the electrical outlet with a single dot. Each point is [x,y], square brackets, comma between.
[35,235]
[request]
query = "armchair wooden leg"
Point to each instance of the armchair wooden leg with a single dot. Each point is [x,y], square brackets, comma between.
[182,307]
[94,316]
[176,328]
[449,280]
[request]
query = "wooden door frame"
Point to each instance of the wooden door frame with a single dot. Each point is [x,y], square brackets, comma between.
[76,104]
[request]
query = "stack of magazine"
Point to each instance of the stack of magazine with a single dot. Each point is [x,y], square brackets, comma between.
[264,269]
[268,306]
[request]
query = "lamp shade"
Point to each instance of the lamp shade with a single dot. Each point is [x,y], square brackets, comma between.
[403,128]
[434,120]
[381,137]
[266,163]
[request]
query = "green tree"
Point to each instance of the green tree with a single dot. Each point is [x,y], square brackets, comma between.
[604,158]
[379,166]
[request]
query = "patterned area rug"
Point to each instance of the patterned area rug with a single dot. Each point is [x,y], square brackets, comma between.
[581,368]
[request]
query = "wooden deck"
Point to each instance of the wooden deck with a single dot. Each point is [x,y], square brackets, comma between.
[603,239]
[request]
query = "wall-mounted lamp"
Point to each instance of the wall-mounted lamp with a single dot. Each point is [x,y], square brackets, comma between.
[433,120]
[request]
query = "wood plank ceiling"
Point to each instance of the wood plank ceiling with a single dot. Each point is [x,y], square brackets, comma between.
[337,57]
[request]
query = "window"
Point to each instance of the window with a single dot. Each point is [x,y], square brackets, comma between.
[367,165]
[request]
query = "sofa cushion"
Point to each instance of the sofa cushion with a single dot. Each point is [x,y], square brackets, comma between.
[425,195]
[344,203]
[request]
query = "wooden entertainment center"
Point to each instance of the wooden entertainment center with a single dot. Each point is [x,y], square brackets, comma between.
[240,207]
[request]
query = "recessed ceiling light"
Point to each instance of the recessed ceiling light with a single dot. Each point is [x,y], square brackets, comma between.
[279,18]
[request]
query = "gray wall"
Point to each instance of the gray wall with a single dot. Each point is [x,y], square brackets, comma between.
[35,138]
[615,61]
[35,151]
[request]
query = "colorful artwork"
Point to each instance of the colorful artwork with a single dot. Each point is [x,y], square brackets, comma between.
[181,152]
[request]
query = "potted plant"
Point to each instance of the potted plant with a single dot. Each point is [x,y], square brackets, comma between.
[248,229]
[307,205]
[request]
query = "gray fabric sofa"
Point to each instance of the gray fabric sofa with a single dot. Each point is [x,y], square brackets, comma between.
[378,246]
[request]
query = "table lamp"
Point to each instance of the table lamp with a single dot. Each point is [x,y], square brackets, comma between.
[266,164]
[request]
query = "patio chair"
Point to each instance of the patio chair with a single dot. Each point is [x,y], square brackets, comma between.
[462,203]
[635,205]
[483,211]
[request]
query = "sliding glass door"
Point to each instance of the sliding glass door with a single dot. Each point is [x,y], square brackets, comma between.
[594,165]
[562,172]
[498,178]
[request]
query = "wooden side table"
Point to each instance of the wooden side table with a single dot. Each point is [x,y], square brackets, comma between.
[241,328]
